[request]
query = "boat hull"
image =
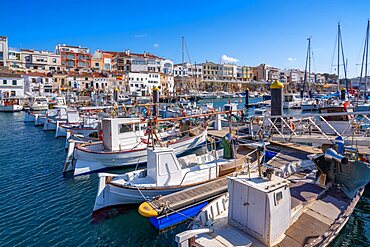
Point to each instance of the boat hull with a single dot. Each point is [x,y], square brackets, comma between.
[11,108]
[112,195]
[87,160]
[29,117]
[40,120]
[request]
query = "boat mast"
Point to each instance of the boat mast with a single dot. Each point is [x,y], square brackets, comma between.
[338,55]
[344,62]
[182,61]
[308,63]
[364,60]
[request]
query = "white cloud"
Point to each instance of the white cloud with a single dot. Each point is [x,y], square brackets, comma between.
[155,45]
[140,35]
[292,59]
[227,59]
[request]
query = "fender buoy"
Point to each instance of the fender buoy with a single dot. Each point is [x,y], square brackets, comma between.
[146,210]
[100,135]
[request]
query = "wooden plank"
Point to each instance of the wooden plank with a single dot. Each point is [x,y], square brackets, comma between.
[190,194]
[289,242]
[306,229]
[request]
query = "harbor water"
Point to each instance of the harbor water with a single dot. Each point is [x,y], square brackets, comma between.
[41,207]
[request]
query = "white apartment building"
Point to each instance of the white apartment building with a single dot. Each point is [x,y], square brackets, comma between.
[3,50]
[14,59]
[79,81]
[142,84]
[227,72]
[11,85]
[100,82]
[37,83]
[40,60]
[167,66]
[193,70]
[138,83]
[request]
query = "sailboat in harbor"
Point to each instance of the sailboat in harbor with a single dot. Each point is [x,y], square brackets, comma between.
[308,104]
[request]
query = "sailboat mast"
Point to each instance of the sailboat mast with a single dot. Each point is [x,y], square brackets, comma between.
[309,63]
[305,68]
[183,65]
[338,54]
[367,54]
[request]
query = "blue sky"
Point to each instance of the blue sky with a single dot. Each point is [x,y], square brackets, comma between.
[253,32]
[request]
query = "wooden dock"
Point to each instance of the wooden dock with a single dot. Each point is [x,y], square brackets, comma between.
[191,196]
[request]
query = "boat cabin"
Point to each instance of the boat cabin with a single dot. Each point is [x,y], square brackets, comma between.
[231,107]
[120,132]
[260,207]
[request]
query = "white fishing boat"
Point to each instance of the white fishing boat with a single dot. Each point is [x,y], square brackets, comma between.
[272,211]
[58,114]
[292,101]
[29,117]
[310,105]
[165,174]
[342,124]
[40,119]
[73,122]
[10,105]
[39,103]
[260,111]
[124,143]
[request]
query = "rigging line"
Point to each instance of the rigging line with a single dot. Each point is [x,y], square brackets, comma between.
[359,54]
[332,59]
[363,59]
[314,63]
[344,62]
[187,52]
[305,69]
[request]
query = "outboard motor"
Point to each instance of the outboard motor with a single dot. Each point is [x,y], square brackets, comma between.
[332,155]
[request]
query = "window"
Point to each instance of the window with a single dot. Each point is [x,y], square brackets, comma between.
[278,197]
[5,82]
[14,82]
[12,93]
[123,128]
[54,60]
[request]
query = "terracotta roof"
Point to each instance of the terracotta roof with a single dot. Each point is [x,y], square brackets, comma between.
[9,75]
[33,74]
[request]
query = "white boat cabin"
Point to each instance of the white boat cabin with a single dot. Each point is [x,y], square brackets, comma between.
[120,132]
[292,101]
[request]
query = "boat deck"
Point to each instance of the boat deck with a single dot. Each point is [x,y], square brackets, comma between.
[316,220]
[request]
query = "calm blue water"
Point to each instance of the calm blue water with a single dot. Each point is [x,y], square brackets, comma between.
[41,207]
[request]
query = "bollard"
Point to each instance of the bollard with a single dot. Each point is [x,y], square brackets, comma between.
[277,101]
[155,101]
[218,123]
[247,98]
[343,94]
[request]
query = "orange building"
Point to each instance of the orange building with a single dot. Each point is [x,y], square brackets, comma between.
[74,58]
